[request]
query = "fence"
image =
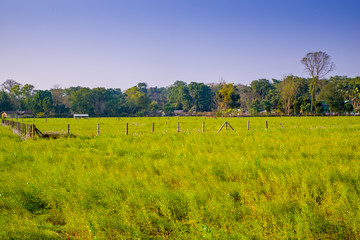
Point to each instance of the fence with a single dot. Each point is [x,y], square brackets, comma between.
[27,130]
[55,127]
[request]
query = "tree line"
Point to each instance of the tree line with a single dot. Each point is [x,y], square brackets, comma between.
[292,95]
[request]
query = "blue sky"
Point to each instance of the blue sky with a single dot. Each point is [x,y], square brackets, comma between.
[119,43]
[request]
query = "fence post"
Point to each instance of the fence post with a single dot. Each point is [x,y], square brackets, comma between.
[178,127]
[248,125]
[203,126]
[68,129]
[153,127]
[98,129]
[266,124]
[127,129]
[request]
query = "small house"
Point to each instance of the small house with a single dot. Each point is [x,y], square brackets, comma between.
[9,114]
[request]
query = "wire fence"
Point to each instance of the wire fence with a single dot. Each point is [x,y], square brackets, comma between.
[26,130]
[115,126]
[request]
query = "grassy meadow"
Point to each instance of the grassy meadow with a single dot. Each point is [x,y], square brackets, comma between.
[301,181]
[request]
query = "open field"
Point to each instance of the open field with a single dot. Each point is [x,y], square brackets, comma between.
[143,125]
[301,181]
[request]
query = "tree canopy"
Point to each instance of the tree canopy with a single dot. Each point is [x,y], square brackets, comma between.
[293,95]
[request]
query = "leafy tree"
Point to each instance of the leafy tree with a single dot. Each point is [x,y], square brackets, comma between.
[261,87]
[15,96]
[289,90]
[227,97]
[154,106]
[22,96]
[201,96]
[8,85]
[247,96]
[303,104]
[280,106]
[349,107]
[81,101]
[318,65]
[5,103]
[99,98]
[179,97]
[158,95]
[137,99]
[42,102]
[168,109]
[115,102]
[27,92]
[255,107]
[319,107]
[60,101]
[332,97]
[267,106]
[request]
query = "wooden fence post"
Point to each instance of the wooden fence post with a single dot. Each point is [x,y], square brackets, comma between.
[178,127]
[68,129]
[153,127]
[248,125]
[266,124]
[203,126]
[127,129]
[98,129]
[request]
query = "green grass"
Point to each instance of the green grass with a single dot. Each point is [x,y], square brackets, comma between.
[300,182]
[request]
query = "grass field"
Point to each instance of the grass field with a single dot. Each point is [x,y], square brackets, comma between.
[301,181]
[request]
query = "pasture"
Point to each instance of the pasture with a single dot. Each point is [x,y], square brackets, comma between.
[300,181]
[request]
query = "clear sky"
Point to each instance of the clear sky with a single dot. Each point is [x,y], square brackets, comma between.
[116,44]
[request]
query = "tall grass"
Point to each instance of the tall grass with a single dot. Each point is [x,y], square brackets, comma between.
[302,181]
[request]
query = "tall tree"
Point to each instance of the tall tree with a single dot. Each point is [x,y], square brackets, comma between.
[59,100]
[81,101]
[261,87]
[179,97]
[228,97]
[42,102]
[158,95]
[289,90]
[9,84]
[137,99]
[201,96]
[317,64]
[330,94]
[5,103]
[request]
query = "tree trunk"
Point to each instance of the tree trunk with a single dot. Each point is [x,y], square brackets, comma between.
[288,107]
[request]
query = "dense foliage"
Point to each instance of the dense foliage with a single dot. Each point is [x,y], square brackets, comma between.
[291,96]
